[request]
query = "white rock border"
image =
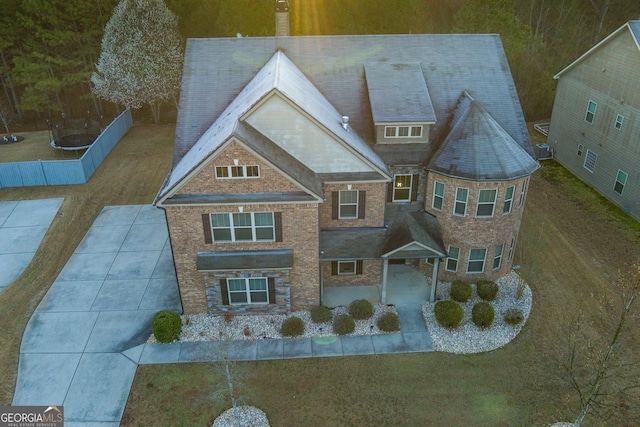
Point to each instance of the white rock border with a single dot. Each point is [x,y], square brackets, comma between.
[249,416]
[468,338]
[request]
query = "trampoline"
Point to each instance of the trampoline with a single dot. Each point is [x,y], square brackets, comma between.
[74,142]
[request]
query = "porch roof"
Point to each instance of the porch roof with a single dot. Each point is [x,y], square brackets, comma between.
[244,260]
[351,243]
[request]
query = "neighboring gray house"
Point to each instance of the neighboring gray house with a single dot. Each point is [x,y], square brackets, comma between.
[595,124]
[306,163]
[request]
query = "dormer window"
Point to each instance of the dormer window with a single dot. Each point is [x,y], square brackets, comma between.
[231,172]
[403,131]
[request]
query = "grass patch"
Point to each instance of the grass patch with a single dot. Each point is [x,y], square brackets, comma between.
[35,146]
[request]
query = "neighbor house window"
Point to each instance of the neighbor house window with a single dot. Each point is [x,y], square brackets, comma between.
[580,150]
[460,207]
[497,258]
[438,195]
[621,180]
[242,227]
[346,267]
[486,203]
[508,200]
[476,260]
[250,290]
[522,193]
[403,131]
[591,112]
[348,208]
[590,161]
[402,188]
[512,246]
[452,260]
[237,172]
[619,120]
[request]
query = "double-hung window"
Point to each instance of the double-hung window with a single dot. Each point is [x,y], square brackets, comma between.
[619,120]
[402,188]
[346,267]
[476,260]
[580,150]
[590,161]
[497,258]
[242,227]
[508,200]
[591,112]
[512,247]
[486,203]
[523,192]
[348,208]
[452,260]
[250,290]
[438,195]
[460,207]
[237,172]
[621,180]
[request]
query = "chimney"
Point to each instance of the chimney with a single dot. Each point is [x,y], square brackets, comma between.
[282,18]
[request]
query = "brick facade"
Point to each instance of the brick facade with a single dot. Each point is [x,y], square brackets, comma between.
[371,275]
[469,232]
[375,203]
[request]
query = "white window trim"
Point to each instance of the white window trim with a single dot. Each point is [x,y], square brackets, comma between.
[433,198]
[232,227]
[509,200]
[484,260]
[248,291]
[396,131]
[341,263]
[493,204]
[457,260]
[580,150]
[619,121]
[523,192]
[586,157]
[340,204]
[408,199]
[626,177]
[456,201]
[588,112]
[498,257]
[244,172]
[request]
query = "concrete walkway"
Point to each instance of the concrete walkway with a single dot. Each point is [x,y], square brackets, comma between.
[83,343]
[23,225]
[81,347]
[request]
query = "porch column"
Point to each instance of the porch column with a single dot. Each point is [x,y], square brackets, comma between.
[321,284]
[385,269]
[434,280]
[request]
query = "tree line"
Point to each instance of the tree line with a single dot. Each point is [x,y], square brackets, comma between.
[49,49]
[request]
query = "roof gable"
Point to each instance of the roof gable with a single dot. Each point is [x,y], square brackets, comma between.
[416,231]
[632,26]
[478,148]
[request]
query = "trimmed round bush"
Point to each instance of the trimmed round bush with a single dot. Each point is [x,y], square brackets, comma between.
[460,291]
[388,322]
[344,324]
[361,309]
[292,327]
[487,290]
[482,314]
[320,314]
[166,326]
[448,313]
[513,316]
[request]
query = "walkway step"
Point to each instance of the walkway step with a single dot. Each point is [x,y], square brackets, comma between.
[411,319]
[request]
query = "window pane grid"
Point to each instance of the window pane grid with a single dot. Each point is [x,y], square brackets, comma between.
[402,188]
[346,267]
[235,172]
[403,131]
[348,208]
[497,259]
[486,203]
[452,260]
[242,227]
[438,195]
[621,180]
[619,120]
[476,260]
[508,200]
[251,290]
[591,112]
[460,207]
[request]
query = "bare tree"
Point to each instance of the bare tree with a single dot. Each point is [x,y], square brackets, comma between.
[7,114]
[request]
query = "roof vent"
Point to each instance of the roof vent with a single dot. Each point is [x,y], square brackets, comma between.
[345,122]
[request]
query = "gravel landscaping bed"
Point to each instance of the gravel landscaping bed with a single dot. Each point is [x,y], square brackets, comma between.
[467,337]
[248,416]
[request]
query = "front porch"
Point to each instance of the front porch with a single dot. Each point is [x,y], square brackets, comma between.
[405,285]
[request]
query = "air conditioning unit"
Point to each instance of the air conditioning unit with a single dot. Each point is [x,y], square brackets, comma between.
[544,152]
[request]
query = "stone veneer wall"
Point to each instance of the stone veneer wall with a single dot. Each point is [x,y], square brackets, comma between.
[214,294]
[469,232]
[299,232]
[375,204]
[371,275]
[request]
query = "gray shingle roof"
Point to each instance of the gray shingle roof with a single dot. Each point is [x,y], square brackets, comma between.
[244,260]
[398,93]
[414,226]
[634,26]
[352,243]
[478,148]
[217,70]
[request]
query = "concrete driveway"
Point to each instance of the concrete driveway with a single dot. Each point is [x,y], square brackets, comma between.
[23,224]
[82,345]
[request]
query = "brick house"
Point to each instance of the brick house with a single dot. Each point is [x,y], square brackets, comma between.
[306,163]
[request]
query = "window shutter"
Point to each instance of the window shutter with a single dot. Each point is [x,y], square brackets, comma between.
[334,268]
[335,204]
[271,283]
[277,222]
[390,192]
[362,203]
[359,266]
[415,180]
[206,225]
[224,292]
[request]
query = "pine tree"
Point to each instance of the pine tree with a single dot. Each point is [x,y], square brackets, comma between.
[141,56]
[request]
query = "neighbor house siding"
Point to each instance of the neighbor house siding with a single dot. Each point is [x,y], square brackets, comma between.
[604,77]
